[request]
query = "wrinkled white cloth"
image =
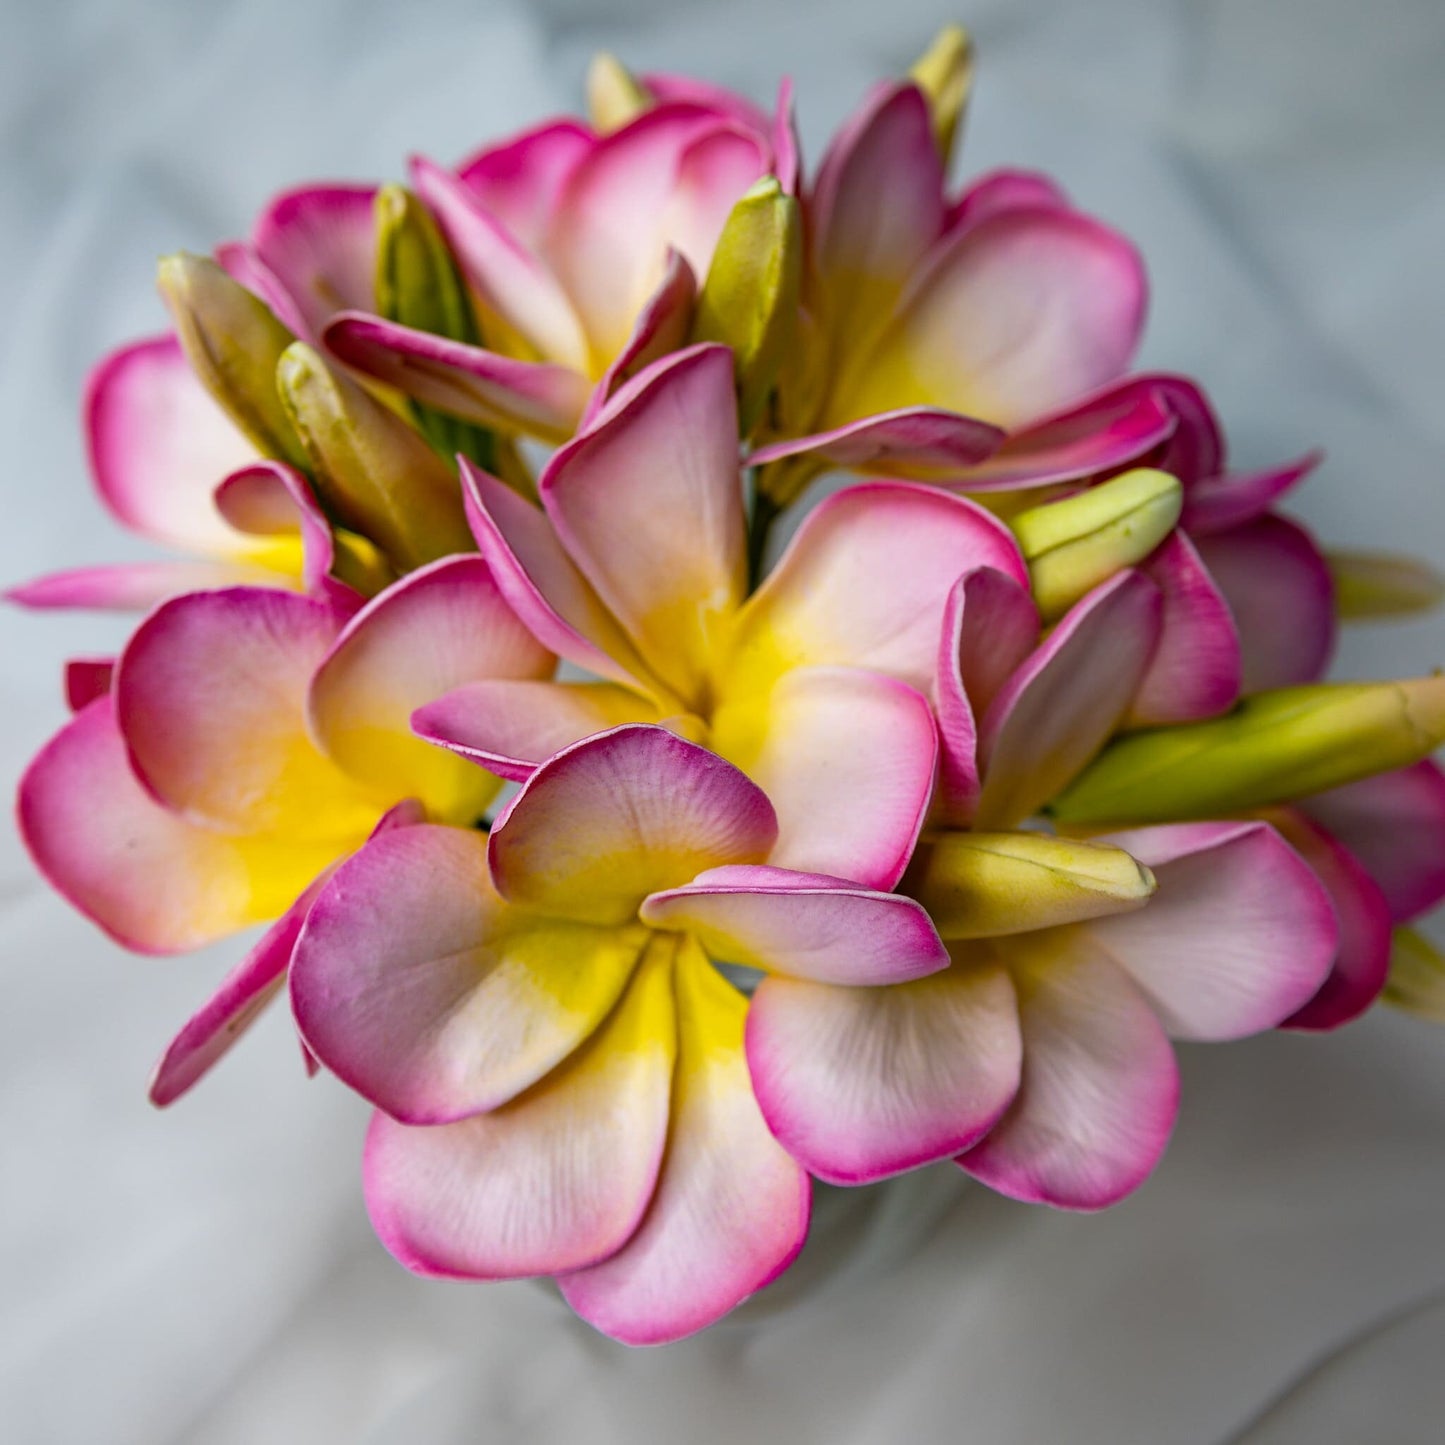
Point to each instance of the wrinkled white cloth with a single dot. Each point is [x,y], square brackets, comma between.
[208,1275]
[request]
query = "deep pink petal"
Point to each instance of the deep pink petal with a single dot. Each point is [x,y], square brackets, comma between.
[1004,190]
[861,1083]
[1100,1086]
[667,89]
[1217,503]
[87,678]
[1279,589]
[519,180]
[131,586]
[1394,823]
[917,443]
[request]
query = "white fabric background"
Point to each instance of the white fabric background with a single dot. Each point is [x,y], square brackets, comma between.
[208,1275]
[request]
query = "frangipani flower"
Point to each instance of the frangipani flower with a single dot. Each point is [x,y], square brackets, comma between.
[558,1067]
[634,569]
[586,254]
[1040,1058]
[251,739]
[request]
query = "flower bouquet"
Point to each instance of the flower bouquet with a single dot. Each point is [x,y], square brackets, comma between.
[918,836]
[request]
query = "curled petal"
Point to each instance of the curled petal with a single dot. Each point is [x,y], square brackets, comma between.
[861,1083]
[1217,503]
[553,1180]
[621,815]
[87,678]
[731,1207]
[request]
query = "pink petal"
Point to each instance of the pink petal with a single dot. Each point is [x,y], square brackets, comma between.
[1196,449]
[1279,589]
[210,694]
[1196,669]
[1004,190]
[861,1083]
[1362,959]
[511,281]
[557,1178]
[787,158]
[152,881]
[918,443]
[241,262]
[441,626]
[731,1208]
[1239,935]
[623,814]
[1394,823]
[87,678]
[511,727]
[1013,318]
[649,506]
[131,586]
[421,989]
[847,758]
[159,445]
[519,181]
[876,208]
[1061,706]
[535,397]
[541,583]
[1217,503]
[667,89]
[320,243]
[806,925]
[989,627]
[865,580]
[1099,1091]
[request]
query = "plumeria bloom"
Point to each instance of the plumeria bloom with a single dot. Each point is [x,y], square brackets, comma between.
[585,253]
[250,739]
[633,568]
[557,1065]
[1040,1058]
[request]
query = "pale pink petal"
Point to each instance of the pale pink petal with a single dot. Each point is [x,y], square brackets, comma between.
[731,1208]
[87,678]
[649,506]
[1239,935]
[1394,823]
[441,626]
[419,987]
[1279,589]
[1362,959]
[154,882]
[916,443]
[159,445]
[1013,318]
[714,171]
[320,243]
[557,1178]
[536,397]
[211,694]
[512,282]
[1100,1086]
[1196,668]
[861,1083]
[847,758]
[1060,707]
[542,583]
[989,627]
[876,208]
[865,580]
[667,88]
[132,586]
[806,925]
[510,727]
[1217,503]
[787,158]
[1004,190]
[519,180]
[621,815]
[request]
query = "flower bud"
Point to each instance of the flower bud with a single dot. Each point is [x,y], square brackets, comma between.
[981,885]
[1375,585]
[1274,747]
[1073,545]
[944,73]
[233,343]
[373,473]
[750,298]
[1416,982]
[614,95]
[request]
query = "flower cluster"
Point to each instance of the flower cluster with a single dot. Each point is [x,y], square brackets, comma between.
[919,837]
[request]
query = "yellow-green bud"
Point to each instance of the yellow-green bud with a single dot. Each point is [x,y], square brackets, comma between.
[1272,748]
[1371,586]
[1416,982]
[1073,545]
[982,885]
[373,473]
[614,95]
[750,298]
[233,343]
[944,73]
